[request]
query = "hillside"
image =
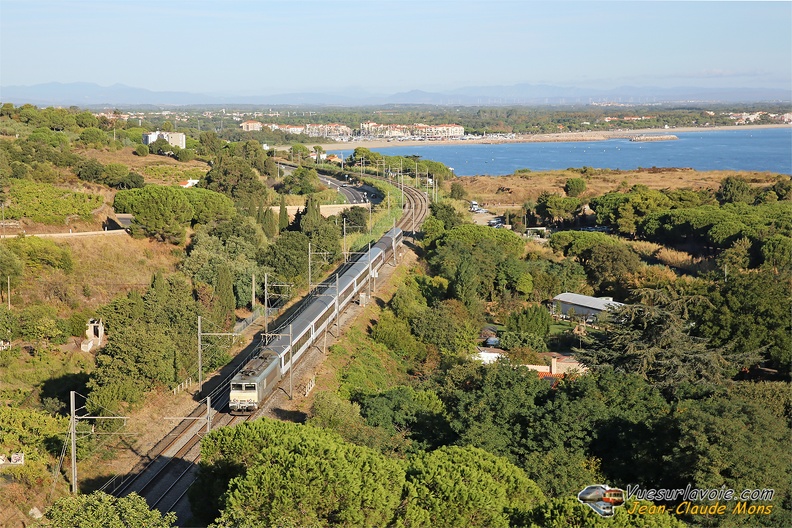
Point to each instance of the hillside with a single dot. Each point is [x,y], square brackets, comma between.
[161,170]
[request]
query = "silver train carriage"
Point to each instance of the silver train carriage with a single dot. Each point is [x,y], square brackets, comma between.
[261,374]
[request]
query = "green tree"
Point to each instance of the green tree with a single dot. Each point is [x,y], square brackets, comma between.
[299,153]
[777,252]
[10,265]
[522,340]
[38,435]
[458,191]
[210,144]
[356,217]
[269,223]
[289,257]
[185,155]
[448,327]
[655,343]
[86,120]
[100,510]
[555,209]
[749,313]
[209,207]
[225,302]
[610,267]
[575,186]
[735,442]
[283,215]
[532,320]
[91,171]
[330,411]
[300,181]
[94,137]
[160,212]
[566,512]
[466,486]
[277,484]
[734,189]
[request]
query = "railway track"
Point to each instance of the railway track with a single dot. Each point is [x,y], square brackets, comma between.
[164,476]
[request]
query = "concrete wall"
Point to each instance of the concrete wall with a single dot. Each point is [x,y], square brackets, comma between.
[325,210]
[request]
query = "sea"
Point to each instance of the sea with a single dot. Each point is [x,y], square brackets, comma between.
[749,150]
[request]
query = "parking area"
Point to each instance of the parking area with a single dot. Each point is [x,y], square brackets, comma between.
[484,218]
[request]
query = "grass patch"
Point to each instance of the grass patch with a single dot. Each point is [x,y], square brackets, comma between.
[172,173]
[560,327]
[102,269]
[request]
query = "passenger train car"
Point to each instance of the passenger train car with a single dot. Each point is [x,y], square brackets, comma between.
[261,374]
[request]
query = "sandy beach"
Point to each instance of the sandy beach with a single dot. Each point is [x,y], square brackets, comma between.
[533,138]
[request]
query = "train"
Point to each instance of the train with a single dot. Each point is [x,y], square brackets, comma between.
[273,359]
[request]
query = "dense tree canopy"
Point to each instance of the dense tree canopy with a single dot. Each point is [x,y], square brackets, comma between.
[100,510]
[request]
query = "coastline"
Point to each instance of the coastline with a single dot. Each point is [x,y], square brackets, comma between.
[561,137]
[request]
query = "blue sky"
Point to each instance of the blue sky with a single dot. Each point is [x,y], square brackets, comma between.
[382,46]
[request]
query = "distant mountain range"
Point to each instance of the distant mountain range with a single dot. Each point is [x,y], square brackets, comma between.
[93,95]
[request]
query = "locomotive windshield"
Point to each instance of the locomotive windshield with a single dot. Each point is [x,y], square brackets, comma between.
[250,386]
[236,386]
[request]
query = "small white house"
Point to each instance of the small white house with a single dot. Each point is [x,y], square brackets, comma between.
[583,305]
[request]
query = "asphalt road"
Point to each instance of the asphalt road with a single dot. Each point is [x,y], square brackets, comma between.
[353,194]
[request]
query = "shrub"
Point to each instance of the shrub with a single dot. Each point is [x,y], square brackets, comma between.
[575,186]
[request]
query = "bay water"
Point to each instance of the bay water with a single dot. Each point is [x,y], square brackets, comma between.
[749,150]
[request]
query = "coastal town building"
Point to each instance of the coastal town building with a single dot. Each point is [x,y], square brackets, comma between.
[329,130]
[251,126]
[420,130]
[177,139]
[288,129]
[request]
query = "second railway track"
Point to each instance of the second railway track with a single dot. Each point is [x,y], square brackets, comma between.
[165,474]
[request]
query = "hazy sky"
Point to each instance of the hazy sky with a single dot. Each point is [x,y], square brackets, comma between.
[382,46]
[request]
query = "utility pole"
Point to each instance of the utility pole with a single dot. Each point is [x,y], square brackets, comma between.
[310,287]
[393,242]
[73,433]
[200,351]
[73,419]
[266,300]
[338,315]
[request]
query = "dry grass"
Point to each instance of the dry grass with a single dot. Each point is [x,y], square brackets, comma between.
[672,258]
[155,169]
[104,267]
[506,191]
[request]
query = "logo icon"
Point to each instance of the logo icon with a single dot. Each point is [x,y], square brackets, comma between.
[601,498]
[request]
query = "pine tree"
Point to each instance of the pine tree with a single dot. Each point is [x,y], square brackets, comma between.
[283,216]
